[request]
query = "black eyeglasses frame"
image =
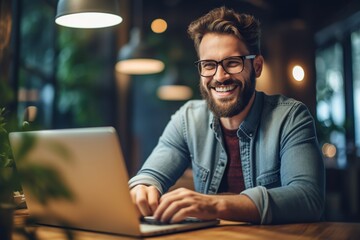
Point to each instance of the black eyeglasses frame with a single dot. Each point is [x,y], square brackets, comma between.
[243,58]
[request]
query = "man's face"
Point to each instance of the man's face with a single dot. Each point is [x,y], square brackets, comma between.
[226,94]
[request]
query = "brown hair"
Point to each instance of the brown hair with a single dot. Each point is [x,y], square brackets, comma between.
[226,21]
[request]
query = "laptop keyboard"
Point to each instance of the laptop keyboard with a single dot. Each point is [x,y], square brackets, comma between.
[152,221]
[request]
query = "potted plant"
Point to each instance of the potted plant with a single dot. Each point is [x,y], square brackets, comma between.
[7,182]
[44,182]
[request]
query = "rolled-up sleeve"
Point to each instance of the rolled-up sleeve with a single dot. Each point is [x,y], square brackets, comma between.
[300,196]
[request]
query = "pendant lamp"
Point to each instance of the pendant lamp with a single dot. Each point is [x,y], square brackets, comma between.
[172,88]
[137,57]
[88,13]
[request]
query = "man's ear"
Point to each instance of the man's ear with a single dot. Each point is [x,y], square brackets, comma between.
[258,65]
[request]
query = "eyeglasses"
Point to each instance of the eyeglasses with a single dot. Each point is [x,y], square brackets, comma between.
[231,65]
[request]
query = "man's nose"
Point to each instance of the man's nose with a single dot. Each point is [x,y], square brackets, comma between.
[221,74]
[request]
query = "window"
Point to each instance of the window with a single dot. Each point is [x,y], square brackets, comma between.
[37,62]
[355,45]
[65,75]
[338,91]
[331,104]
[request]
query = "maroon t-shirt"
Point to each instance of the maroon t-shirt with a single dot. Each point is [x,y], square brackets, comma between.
[233,180]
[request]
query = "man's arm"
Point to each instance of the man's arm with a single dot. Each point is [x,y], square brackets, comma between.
[299,196]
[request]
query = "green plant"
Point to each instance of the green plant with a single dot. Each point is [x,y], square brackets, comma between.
[44,182]
[8,181]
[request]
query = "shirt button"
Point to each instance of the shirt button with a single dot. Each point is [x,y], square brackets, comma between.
[222,164]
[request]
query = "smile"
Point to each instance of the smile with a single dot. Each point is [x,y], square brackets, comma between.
[226,88]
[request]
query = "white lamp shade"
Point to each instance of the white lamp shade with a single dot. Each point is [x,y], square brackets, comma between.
[88,13]
[140,66]
[174,92]
[137,58]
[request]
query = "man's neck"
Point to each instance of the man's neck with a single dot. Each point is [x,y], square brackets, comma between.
[235,121]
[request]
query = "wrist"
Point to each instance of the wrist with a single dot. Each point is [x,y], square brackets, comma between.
[221,207]
[236,208]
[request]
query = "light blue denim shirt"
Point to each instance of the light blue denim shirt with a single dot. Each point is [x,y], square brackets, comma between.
[282,165]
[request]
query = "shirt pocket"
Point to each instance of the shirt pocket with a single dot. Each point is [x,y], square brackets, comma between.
[201,176]
[269,179]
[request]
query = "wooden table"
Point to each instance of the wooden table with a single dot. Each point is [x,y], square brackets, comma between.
[226,230]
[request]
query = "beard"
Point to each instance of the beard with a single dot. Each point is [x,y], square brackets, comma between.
[226,108]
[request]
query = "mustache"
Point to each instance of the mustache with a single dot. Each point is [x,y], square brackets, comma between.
[215,83]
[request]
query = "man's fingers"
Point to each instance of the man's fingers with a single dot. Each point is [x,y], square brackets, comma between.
[141,201]
[146,199]
[170,203]
[153,198]
[182,214]
[177,208]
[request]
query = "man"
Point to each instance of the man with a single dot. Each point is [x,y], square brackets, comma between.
[254,157]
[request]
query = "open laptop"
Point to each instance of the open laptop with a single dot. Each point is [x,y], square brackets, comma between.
[95,173]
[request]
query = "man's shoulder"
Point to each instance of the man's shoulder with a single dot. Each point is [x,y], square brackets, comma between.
[195,111]
[279,100]
[278,107]
[195,105]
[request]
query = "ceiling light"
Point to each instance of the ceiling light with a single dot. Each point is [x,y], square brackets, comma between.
[174,92]
[172,88]
[88,13]
[139,66]
[159,25]
[298,73]
[136,57]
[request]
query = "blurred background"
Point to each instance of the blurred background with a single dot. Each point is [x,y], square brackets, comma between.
[60,77]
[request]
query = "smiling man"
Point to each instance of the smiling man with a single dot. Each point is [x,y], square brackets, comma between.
[254,157]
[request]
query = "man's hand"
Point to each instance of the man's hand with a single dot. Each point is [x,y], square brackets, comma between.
[181,203]
[175,206]
[146,198]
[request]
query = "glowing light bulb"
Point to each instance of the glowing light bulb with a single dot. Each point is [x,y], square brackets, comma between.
[298,73]
[158,25]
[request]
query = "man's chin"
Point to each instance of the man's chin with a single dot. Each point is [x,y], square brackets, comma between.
[221,107]
[224,108]
[224,101]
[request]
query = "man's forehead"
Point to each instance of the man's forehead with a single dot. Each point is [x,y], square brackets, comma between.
[218,46]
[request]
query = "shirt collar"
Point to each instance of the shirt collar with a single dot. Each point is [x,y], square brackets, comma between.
[251,122]
[249,125]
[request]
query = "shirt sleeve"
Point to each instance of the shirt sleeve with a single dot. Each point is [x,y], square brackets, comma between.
[301,196]
[168,160]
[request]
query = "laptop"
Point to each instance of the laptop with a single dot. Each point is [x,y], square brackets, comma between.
[95,173]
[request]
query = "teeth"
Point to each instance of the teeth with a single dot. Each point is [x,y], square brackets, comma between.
[225,88]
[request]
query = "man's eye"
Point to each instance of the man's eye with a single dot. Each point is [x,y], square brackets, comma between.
[208,65]
[233,63]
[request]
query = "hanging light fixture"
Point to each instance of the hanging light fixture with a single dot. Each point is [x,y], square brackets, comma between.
[172,89]
[136,57]
[88,13]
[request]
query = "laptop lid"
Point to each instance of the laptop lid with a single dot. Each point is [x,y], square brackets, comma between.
[96,175]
